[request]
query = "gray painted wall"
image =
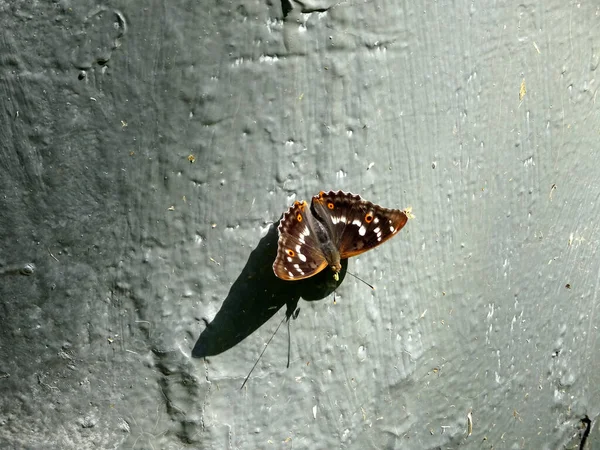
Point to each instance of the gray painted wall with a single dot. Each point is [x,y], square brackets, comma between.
[116,251]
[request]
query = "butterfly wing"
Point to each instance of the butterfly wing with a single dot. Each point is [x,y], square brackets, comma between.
[356,224]
[299,254]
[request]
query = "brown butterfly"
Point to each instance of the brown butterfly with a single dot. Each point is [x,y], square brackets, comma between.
[336,226]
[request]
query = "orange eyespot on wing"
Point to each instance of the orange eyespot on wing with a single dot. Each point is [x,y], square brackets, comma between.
[369,217]
[299,208]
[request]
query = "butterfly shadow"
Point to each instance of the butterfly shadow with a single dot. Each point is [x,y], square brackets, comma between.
[256,295]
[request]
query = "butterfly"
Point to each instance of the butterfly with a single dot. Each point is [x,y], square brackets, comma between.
[335,226]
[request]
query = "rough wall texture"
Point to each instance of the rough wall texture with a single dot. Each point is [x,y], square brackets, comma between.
[147,150]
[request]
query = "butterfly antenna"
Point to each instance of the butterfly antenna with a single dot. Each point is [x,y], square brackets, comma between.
[294,316]
[360,279]
[263,352]
[289,344]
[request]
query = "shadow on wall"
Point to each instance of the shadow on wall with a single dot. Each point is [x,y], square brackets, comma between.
[257,295]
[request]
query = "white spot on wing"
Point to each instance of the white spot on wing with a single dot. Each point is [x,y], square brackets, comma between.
[376,220]
[392,229]
[298,248]
[357,222]
[290,274]
[302,257]
[297,267]
[362,230]
[376,230]
[289,258]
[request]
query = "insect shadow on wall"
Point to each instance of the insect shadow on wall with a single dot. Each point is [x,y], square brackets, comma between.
[306,256]
[256,296]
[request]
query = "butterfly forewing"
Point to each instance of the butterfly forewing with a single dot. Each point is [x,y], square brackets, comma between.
[298,251]
[356,224]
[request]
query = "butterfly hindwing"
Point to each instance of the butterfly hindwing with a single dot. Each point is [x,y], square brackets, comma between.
[298,250]
[356,224]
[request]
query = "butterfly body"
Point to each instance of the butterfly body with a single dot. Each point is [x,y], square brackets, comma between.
[326,245]
[335,226]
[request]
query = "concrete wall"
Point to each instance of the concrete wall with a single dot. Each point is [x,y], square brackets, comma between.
[148,149]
